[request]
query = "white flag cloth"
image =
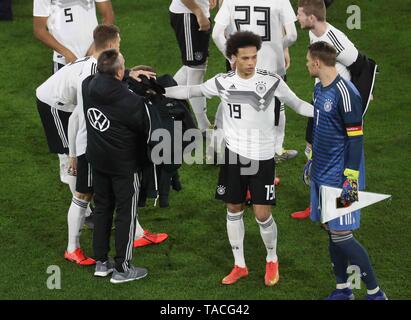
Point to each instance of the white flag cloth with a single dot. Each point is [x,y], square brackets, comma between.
[328,200]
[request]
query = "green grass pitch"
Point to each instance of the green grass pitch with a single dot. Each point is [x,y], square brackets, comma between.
[190,264]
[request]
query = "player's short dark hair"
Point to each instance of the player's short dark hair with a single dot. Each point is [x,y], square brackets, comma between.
[103,34]
[242,39]
[109,62]
[323,51]
[314,7]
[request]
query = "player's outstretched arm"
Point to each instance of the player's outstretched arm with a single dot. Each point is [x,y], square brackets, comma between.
[184,92]
[289,98]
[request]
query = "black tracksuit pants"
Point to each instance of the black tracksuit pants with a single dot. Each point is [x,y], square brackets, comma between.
[119,193]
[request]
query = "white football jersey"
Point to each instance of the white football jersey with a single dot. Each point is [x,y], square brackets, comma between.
[60,90]
[80,135]
[177,6]
[346,51]
[265,18]
[71,22]
[248,110]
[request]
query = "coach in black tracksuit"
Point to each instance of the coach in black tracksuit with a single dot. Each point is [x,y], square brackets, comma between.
[117,133]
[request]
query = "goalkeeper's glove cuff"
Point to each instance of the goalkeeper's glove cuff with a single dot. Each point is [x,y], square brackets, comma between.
[351,174]
[308,152]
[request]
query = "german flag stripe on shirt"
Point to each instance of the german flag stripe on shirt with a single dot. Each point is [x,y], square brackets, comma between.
[353,131]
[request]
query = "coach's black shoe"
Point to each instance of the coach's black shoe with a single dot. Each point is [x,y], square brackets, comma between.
[163,199]
[175,183]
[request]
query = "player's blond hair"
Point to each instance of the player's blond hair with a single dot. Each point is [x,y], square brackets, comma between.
[314,7]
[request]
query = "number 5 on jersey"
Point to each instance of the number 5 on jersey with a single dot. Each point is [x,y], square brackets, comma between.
[68,14]
[270,191]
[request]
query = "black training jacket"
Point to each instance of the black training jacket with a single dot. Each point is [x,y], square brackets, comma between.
[118,125]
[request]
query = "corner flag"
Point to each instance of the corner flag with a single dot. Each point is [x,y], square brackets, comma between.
[330,210]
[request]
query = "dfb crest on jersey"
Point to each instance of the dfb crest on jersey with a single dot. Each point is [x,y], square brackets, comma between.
[328,104]
[260,88]
[198,55]
[98,120]
[221,190]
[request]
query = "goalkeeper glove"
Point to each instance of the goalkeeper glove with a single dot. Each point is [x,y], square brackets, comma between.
[349,193]
[307,172]
[307,168]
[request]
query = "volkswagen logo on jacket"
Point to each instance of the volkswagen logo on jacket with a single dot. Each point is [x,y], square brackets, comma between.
[98,120]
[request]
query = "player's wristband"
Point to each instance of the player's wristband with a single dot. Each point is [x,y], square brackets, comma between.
[351,174]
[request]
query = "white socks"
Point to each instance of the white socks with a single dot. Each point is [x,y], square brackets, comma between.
[139,230]
[279,132]
[268,231]
[191,76]
[235,232]
[75,220]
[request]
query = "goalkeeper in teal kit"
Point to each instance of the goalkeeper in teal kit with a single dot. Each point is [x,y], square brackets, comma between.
[338,161]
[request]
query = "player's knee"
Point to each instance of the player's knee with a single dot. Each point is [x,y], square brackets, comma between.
[83,196]
[195,74]
[234,208]
[262,212]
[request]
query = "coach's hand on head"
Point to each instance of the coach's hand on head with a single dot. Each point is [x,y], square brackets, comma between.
[135,74]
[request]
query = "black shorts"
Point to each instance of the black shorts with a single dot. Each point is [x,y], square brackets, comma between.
[55,124]
[56,67]
[84,182]
[233,185]
[193,43]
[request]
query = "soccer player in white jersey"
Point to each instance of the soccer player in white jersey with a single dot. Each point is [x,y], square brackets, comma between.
[274,22]
[67,26]
[59,93]
[190,20]
[311,15]
[248,127]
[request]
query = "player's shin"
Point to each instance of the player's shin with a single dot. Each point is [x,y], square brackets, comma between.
[268,231]
[195,76]
[358,256]
[339,263]
[75,220]
[235,232]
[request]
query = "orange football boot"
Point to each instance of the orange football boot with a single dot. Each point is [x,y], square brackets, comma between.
[78,257]
[235,275]
[150,238]
[271,274]
[301,214]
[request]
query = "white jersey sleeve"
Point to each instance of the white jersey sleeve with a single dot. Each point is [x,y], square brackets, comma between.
[73,125]
[346,51]
[223,16]
[41,8]
[209,88]
[288,97]
[287,13]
